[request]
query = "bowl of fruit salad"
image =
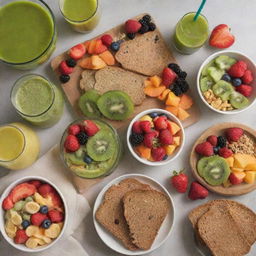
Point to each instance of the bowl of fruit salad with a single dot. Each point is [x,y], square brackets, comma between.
[223,159]
[155,137]
[33,214]
[90,148]
[226,82]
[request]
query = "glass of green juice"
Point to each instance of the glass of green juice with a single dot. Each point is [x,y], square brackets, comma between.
[190,35]
[27,32]
[82,15]
[37,100]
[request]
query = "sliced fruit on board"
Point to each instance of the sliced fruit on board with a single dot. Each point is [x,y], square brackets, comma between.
[173,110]
[108,58]
[172,100]
[153,91]
[99,47]
[156,80]
[164,94]
[186,102]
[182,114]
[91,46]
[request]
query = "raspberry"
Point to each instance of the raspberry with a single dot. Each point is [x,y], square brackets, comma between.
[71,143]
[136,127]
[168,77]
[45,189]
[65,69]
[55,216]
[20,237]
[244,89]
[136,139]
[238,69]
[204,149]
[213,140]
[74,129]
[225,152]
[158,153]
[165,137]
[107,40]
[132,26]
[145,126]
[247,78]
[37,218]
[234,134]
[90,127]
[149,139]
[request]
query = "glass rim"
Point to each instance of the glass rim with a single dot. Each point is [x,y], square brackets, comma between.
[47,48]
[24,144]
[194,13]
[12,96]
[78,21]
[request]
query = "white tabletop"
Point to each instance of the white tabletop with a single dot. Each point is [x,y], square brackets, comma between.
[239,15]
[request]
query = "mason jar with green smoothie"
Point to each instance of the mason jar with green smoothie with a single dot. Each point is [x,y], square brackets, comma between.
[190,35]
[37,100]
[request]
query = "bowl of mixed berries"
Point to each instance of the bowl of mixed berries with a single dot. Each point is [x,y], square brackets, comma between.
[33,214]
[155,137]
[226,82]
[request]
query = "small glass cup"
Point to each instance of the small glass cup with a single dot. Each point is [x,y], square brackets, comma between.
[19,146]
[190,35]
[85,24]
[48,115]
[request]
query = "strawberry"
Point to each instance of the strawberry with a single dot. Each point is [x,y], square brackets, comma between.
[204,149]
[168,77]
[132,26]
[77,51]
[55,216]
[149,139]
[160,123]
[213,140]
[234,180]
[7,203]
[65,69]
[179,181]
[238,69]
[74,129]
[247,78]
[22,191]
[57,201]
[90,127]
[37,218]
[221,37]
[45,189]
[225,152]
[145,126]
[20,237]
[245,89]
[71,143]
[197,191]
[158,153]
[107,40]
[234,134]
[136,128]
[36,183]
[99,47]
[165,137]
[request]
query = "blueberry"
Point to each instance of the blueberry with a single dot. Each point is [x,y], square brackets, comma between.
[44,209]
[64,78]
[226,77]
[131,35]
[87,159]
[165,157]
[216,150]
[25,224]
[236,81]
[71,63]
[46,224]
[115,46]
[153,114]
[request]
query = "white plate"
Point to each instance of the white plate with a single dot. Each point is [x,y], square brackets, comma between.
[163,233]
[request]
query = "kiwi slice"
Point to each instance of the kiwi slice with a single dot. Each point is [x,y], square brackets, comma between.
[115,105]
[237,100]
[224,62]
[88,103]
[205,68]
[206,83]
[223,89]
[215,73]
[213,169]
[73,159]
[101,146]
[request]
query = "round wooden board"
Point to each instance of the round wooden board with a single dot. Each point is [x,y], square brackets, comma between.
[194,157]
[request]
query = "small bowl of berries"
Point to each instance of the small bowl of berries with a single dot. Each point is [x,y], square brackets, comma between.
[155,137]
[33,214]
[226,82]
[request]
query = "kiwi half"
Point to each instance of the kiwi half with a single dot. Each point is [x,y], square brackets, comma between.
[223,89]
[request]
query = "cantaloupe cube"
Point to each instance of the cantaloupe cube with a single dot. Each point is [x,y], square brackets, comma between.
[176,140]
[156,80]
[186,101]
[97,62]
[91,46]
[172,100]
[143,151]
[164,94]
[173,110]
[236,169]
[169,150]
[230,161]
[173,127]
[250,177]
[243,160]
[251,166]
[182,114]
[86,63]
[108,58]
[153,91]
[147,83]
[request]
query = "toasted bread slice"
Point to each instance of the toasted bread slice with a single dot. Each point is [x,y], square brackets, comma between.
[88,80]
[110,213]
[145,211]
[115,78]
[147,54]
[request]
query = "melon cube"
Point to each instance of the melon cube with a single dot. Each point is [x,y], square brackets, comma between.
[176,140]
[156,80]
[173,127]
[250,177]
[243,160]
[169,150]
[230,161]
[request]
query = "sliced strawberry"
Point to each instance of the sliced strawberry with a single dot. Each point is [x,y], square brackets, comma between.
[168,77]
[22,191]
[65,69]
[56,200]
[55,216]
[77,51]
[36,183]
[7,203]
[99,47]
[37,218]
[45,189]
[20,237]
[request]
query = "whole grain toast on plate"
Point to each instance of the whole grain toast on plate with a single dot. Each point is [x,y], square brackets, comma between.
[145,211]
[110,213]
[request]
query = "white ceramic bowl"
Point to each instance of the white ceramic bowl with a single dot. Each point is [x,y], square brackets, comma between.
[6,192]
[177,150]
[239,56]
[164,232]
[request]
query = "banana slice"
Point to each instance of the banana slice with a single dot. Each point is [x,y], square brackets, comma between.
[32,243]
[40,241]
[47,240]
[43,201]
[8,214]
[61,224]
[53,231]
[39,233]
[16,218]
[31,207]
[32,230]
[10,229]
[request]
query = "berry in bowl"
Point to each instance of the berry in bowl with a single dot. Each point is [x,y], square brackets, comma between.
[33,214]
[155,137]
[226,82]
[90,148]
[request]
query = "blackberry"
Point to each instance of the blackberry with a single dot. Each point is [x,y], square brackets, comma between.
[136,139]
[131,35]
[221,142]
[151,26]
[142,22]
[146,18]
[184,86]
[182,74]
[64,78]
[82,138]
[176,89]
[71,63]
[174,67]
[144,29]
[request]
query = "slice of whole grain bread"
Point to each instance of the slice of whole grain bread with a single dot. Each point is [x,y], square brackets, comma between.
[110,213]
[145,211]
[87,81]
[147,54]
[115,78]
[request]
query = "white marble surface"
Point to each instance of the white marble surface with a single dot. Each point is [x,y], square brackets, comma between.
[240,15]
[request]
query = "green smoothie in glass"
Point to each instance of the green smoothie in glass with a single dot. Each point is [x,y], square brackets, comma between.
[82,15]
[190,35]
[37,100]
